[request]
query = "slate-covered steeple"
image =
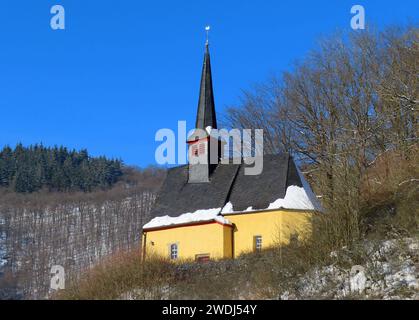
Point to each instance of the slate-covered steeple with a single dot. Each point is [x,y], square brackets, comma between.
[205,116]
[204,150]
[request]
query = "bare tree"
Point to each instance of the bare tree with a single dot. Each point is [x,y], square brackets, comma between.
[346,103]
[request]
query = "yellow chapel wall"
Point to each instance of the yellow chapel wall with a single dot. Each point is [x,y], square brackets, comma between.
[213,239]
[275,227]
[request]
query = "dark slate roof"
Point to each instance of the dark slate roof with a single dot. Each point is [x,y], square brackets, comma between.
[177,196]
[206,107]
[259,191]
[227,183]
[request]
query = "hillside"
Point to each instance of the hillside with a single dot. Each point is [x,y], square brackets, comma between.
[389,271]
[74,229]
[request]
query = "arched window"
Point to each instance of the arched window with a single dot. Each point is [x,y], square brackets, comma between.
[173,251]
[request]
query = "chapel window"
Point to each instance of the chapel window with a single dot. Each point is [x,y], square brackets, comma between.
[258,243]
[173,251]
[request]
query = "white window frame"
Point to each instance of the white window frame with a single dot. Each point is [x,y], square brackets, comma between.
[173,251]
[258,242]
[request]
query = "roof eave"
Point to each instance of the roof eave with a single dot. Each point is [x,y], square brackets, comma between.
[269,210]
[189,224]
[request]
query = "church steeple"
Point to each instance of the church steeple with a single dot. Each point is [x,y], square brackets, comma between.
[206,107]
[204,149]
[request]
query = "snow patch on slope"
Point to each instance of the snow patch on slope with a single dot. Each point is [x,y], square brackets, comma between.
[390,273]
[190,217]
[3,253]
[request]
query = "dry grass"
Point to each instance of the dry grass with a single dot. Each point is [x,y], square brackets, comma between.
[263,275]
[117,275]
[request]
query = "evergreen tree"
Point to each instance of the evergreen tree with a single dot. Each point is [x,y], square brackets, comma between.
[29,169]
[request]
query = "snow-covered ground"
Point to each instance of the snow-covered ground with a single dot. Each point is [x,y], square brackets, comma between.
[73,235]
[3,252]
[391,272]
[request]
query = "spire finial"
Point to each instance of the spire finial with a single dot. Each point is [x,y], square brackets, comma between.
[206,107]
[207,29]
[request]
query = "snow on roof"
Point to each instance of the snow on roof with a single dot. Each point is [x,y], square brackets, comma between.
[183,197]
[228,209]
[299,198]
[190,217]
[309,193]
[295,198]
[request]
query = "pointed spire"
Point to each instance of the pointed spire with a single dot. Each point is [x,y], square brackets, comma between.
[206,108]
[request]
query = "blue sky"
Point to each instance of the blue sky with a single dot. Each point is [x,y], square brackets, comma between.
[123,69]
